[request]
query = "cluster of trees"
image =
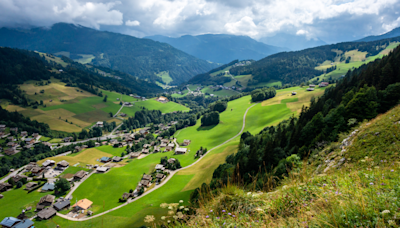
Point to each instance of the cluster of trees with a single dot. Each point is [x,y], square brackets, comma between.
[210,118]
[263,94]
[219,106]
[171,166]
[202,151]
[362,94]
[207,79]
[96,131]
[330,69]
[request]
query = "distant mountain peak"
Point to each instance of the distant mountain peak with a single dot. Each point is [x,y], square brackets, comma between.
[292,41]
[393,33]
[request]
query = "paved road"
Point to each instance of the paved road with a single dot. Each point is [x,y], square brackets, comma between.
[116,114]
[12,174]
[76,184]
[172,173]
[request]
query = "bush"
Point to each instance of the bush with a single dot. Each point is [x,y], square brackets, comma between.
[211,118]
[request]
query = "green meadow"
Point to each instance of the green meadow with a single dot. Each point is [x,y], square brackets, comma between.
[221,93]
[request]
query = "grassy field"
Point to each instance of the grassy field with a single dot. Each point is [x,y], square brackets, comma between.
[85,59]
[221,93]
[70,171]
[111,150]
[152,104]
[88,156]
[164,75]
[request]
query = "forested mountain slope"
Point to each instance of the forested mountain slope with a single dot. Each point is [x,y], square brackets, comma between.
[220,48]
[143,58]
[394,33]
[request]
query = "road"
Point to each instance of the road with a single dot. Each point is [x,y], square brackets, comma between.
[76,184]
[172,173]
[12,174]
[116,114]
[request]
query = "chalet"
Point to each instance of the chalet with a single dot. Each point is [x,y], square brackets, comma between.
[117,159]
[123,114]
[127,104]
[113,141]
[1,196]
[99,124]
[145,183]
[11,144]
[126,195]
[31,185]
[186,142]
[11,222]
[135,154]
[310,89]
[62,204]
[168,148]
[11,138]
[48,187]
[2,127]
[10,151]
[5,186]
[294,93]
[105,159]
[83,204]
[104,143]
[171,160]
[78,148]
[323,84]
[159,138]
[180,150]
[48,163]
[47,144]
[46,213]
[152,143]
[24,133]
[311,86]
[62,165]
[141,139]
[29,141]
[67,139]
[162,99]
[102,169]
[160,177]
[144,131]
[35,135]
[159,168]
[46,200]
[96,144]
[14,129]
[18,177]
[147,177]
[146,146]
[166,141]
[79,175]
[157,149]
[37,171]
[145,151]
[171,145]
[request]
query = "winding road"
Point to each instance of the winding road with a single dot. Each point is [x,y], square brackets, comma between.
[172,173]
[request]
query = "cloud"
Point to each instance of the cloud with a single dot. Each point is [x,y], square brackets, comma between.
[245,26]
[132,23]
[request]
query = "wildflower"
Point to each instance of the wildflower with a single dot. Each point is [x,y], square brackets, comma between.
[217,217]
[378,193]
[186,209]
[180,201]
[233,216]
[324,185]
[180,215]
[169,221]
[385,212]
[169,208]
[291,201]
[207,216]
[371,183]
[229,214]
[149,218]
[181,207]
[163,218]
[391,222]
[223,211]
[164,205]
[249,193]
[171,212]
[392,170]
[383,184]
[211,210]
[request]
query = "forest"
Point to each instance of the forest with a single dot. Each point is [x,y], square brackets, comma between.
[362,94]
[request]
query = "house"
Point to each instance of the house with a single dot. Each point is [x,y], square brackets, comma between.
[31,185]
[310,89]
[160,177]
[127,104]
[11,138]
[117,159]
[102,169]
[168,148]
[135,154]
[123,114]
[311,86]
[145,183]
[294,93]
[144,131]
[29,141]
[79,175]
[35,135]
[156,149]
[171,145]
[99,124]
[113,141]
[163,145]
[78,148]
[47,144]
[145,151]
[186,142]
[105,159]
[14,129]
[46,213]
[2,127]
[67,139]
[96,144]
[180,150]
[48,163]
[62,165]
[166,141]
[83,204]
[11,222]
[62,204]
[5,186]
[162,99]
[37,171]
[48,187]
[323,84]
[159,138]
[11,144]
[126,195]
[1,196]
[24,133]
[171,160]
[10,151]
[104,143]
[146,146]
[159,168]
[18,177]
[46,200]
[147,177]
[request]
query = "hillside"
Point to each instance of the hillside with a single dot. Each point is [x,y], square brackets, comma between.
[394,33]
[143,58]
[292,42]
[220,48]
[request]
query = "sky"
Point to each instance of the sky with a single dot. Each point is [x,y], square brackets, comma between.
[329,20]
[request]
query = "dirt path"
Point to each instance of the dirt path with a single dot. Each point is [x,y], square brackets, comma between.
[172,173]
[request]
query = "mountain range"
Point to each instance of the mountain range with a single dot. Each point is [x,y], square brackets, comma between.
[143,58]
[393,33]
[220,48]
[293,42]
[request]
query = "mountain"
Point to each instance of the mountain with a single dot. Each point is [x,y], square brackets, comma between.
[220,48]
[143,58]
[394,33]
[293,42]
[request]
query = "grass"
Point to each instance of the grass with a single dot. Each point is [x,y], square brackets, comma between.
[44,139]
[111,150]
[362,191]
[70,171]
[164,75]
[85,59]
[268,84]
[154,105]
[221,93]
[88,156]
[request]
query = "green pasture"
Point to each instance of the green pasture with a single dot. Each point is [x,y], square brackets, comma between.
[184,93]
[164,75]
[221,93]
[85,59]
[268,84]
[155,105]
[111,150]
[112,96]
[193,87]
[221,71]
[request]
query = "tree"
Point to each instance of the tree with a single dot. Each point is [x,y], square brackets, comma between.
[62,185]
[11,181]
[111,115]
[211,118]
[105,98]
[19,184]
[219,106]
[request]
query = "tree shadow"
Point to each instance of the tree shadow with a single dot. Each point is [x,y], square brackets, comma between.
[206,128]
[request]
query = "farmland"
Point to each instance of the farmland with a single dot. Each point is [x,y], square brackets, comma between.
[88,156]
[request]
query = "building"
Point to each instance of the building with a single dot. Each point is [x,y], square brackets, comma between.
[24,133]
[99,124]
[102,169]
[67,139]
[62,165]
[144,131]
[35,135]
[145,183]
[186,142]
[46,213]
[11,222]
[310,89]
[79,175]
[171,160]
[162,99]
[147,177]
[156,149]
[83,204]
[135,154]
[5,186]
[10,151]
[311,86]
[160,177]
[145,151]
[18,177]
[117,159]
[46,200]
[37,171]
[146,146]
[105,159]
[11,144]
[180,150]
[294,93]
[62,205]
[123,114]
[29,141]
[2,127]
[48,163]
[48,187]
[14,129]
[31,185]
[323,84]
[159,168]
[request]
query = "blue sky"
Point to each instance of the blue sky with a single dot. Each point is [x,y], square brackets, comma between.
[330,20]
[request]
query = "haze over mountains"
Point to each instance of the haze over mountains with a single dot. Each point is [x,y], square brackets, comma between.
[220,48]
[394,33]
[139,57]
[293,42]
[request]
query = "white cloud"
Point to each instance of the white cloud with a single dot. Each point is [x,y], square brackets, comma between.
[132,23]
[245,26]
